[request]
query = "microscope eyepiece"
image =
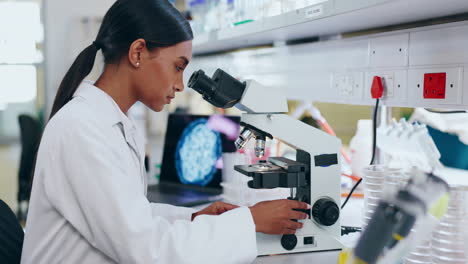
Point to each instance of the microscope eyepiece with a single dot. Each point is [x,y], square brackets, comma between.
[222,90]
[202,84]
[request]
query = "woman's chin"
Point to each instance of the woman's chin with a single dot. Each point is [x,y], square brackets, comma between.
[157,107]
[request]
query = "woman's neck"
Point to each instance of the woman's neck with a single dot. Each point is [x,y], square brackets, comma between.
[117,85]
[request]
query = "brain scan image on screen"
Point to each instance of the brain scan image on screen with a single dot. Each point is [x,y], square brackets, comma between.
[197,152]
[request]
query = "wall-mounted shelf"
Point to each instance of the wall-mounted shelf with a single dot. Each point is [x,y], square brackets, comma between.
[342,70]
[328,18]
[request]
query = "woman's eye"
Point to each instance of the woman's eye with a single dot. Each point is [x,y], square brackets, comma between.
[179,68]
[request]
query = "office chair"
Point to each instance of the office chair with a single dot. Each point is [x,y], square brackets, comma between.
[31,132]
[11,236]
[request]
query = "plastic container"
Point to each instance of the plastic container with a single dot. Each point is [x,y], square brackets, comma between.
[449,240]
[377,180]
[361,147]
[421,255]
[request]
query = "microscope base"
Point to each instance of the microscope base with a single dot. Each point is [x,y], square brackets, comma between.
[310,238]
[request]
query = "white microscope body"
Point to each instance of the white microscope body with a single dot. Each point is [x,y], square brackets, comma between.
[264,108]
[315,175]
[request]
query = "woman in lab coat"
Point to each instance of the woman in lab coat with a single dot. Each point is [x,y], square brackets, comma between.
[89,200]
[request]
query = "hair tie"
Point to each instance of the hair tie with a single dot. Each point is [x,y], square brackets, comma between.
[97,44]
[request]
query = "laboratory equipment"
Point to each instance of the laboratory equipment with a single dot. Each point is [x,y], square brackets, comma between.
[409,145]
[388,236]
[314,177]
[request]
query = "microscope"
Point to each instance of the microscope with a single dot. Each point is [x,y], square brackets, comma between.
[314,177]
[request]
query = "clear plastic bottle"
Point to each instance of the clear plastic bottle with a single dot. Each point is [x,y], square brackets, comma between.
[361,147]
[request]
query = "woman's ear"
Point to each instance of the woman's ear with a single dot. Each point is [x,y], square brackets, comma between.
[135,52]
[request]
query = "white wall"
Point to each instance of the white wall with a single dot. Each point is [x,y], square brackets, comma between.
[63,38]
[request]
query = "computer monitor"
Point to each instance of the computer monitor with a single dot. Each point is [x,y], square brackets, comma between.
[193,148]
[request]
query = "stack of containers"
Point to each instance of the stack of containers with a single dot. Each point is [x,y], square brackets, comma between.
[379,179]
[420,255]
[449,241]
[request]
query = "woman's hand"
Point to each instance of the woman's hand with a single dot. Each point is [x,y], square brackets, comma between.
[215,208]
[275,217]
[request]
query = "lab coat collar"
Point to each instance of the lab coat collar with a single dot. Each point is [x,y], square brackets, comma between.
[110,114]
[107,108]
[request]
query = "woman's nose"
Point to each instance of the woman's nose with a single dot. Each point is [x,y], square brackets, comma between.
[179,86]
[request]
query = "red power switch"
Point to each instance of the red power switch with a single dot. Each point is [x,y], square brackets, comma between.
[434,85]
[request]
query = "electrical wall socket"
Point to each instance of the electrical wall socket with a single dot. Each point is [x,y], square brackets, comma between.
[435,85]
[453,85]
[388,84]
[394,83]
[348,85]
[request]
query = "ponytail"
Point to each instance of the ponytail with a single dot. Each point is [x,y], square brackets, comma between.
[156,21]
[78,71]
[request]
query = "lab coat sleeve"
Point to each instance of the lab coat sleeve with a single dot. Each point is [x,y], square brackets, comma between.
[172,213]
[95,194]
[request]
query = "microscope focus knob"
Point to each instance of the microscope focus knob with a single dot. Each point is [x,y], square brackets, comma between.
[326,212]
[289,242]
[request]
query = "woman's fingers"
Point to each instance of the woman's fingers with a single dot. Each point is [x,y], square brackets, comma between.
[298,215]
[298,205]
[292,225]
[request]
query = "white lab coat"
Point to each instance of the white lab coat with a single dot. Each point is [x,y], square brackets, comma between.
[89,202]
